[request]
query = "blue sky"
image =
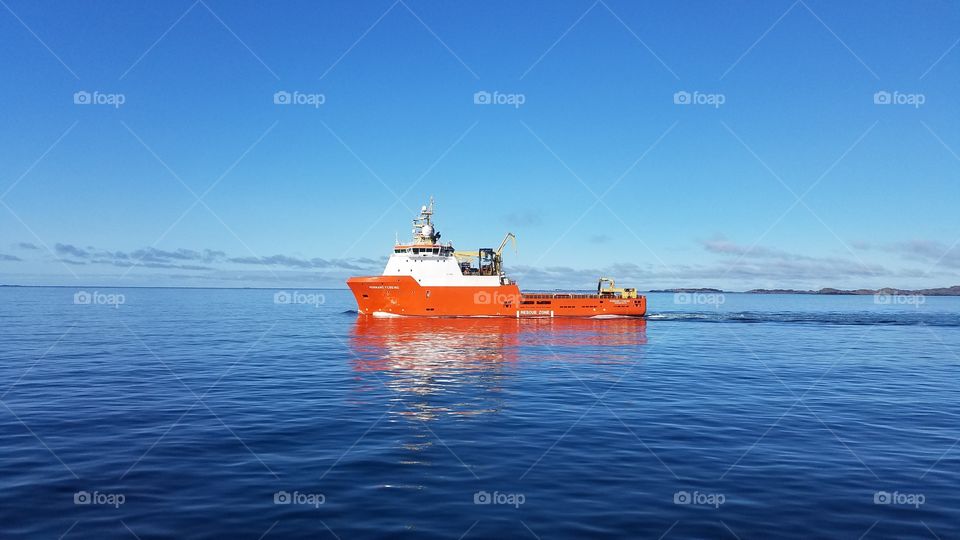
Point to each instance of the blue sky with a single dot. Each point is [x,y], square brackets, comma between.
[796,178]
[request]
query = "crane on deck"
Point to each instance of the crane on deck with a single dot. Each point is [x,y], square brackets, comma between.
[489,260]
[611,290]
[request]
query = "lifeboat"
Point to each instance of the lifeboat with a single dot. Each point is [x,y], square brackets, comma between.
[425,278]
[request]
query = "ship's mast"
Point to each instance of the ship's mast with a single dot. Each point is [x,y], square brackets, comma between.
[423,231]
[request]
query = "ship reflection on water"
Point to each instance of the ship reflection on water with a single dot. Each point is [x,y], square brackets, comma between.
[458,366]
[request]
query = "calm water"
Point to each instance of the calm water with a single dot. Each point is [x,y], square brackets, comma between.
[222,414]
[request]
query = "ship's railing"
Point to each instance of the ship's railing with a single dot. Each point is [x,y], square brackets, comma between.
[552,296]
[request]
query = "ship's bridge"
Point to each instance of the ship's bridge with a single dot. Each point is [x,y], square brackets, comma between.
[425,249]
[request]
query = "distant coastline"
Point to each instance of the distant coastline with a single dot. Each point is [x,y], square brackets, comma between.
[937,291]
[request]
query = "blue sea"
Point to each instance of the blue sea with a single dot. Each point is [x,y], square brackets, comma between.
[192,413]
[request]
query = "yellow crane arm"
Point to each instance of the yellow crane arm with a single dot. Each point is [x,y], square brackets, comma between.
[509,236]
[497,264]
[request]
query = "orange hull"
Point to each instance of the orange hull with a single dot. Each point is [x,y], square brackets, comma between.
[403,296]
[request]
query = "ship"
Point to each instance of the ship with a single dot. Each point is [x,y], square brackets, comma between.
[424,278]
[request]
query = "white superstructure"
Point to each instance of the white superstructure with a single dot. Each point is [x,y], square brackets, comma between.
[436,265]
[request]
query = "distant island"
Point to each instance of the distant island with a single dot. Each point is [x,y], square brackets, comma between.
[939,291]
[684,290]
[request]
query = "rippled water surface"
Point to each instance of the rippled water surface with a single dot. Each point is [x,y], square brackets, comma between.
[223,414]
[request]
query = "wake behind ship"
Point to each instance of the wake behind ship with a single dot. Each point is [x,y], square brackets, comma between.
[428,279]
